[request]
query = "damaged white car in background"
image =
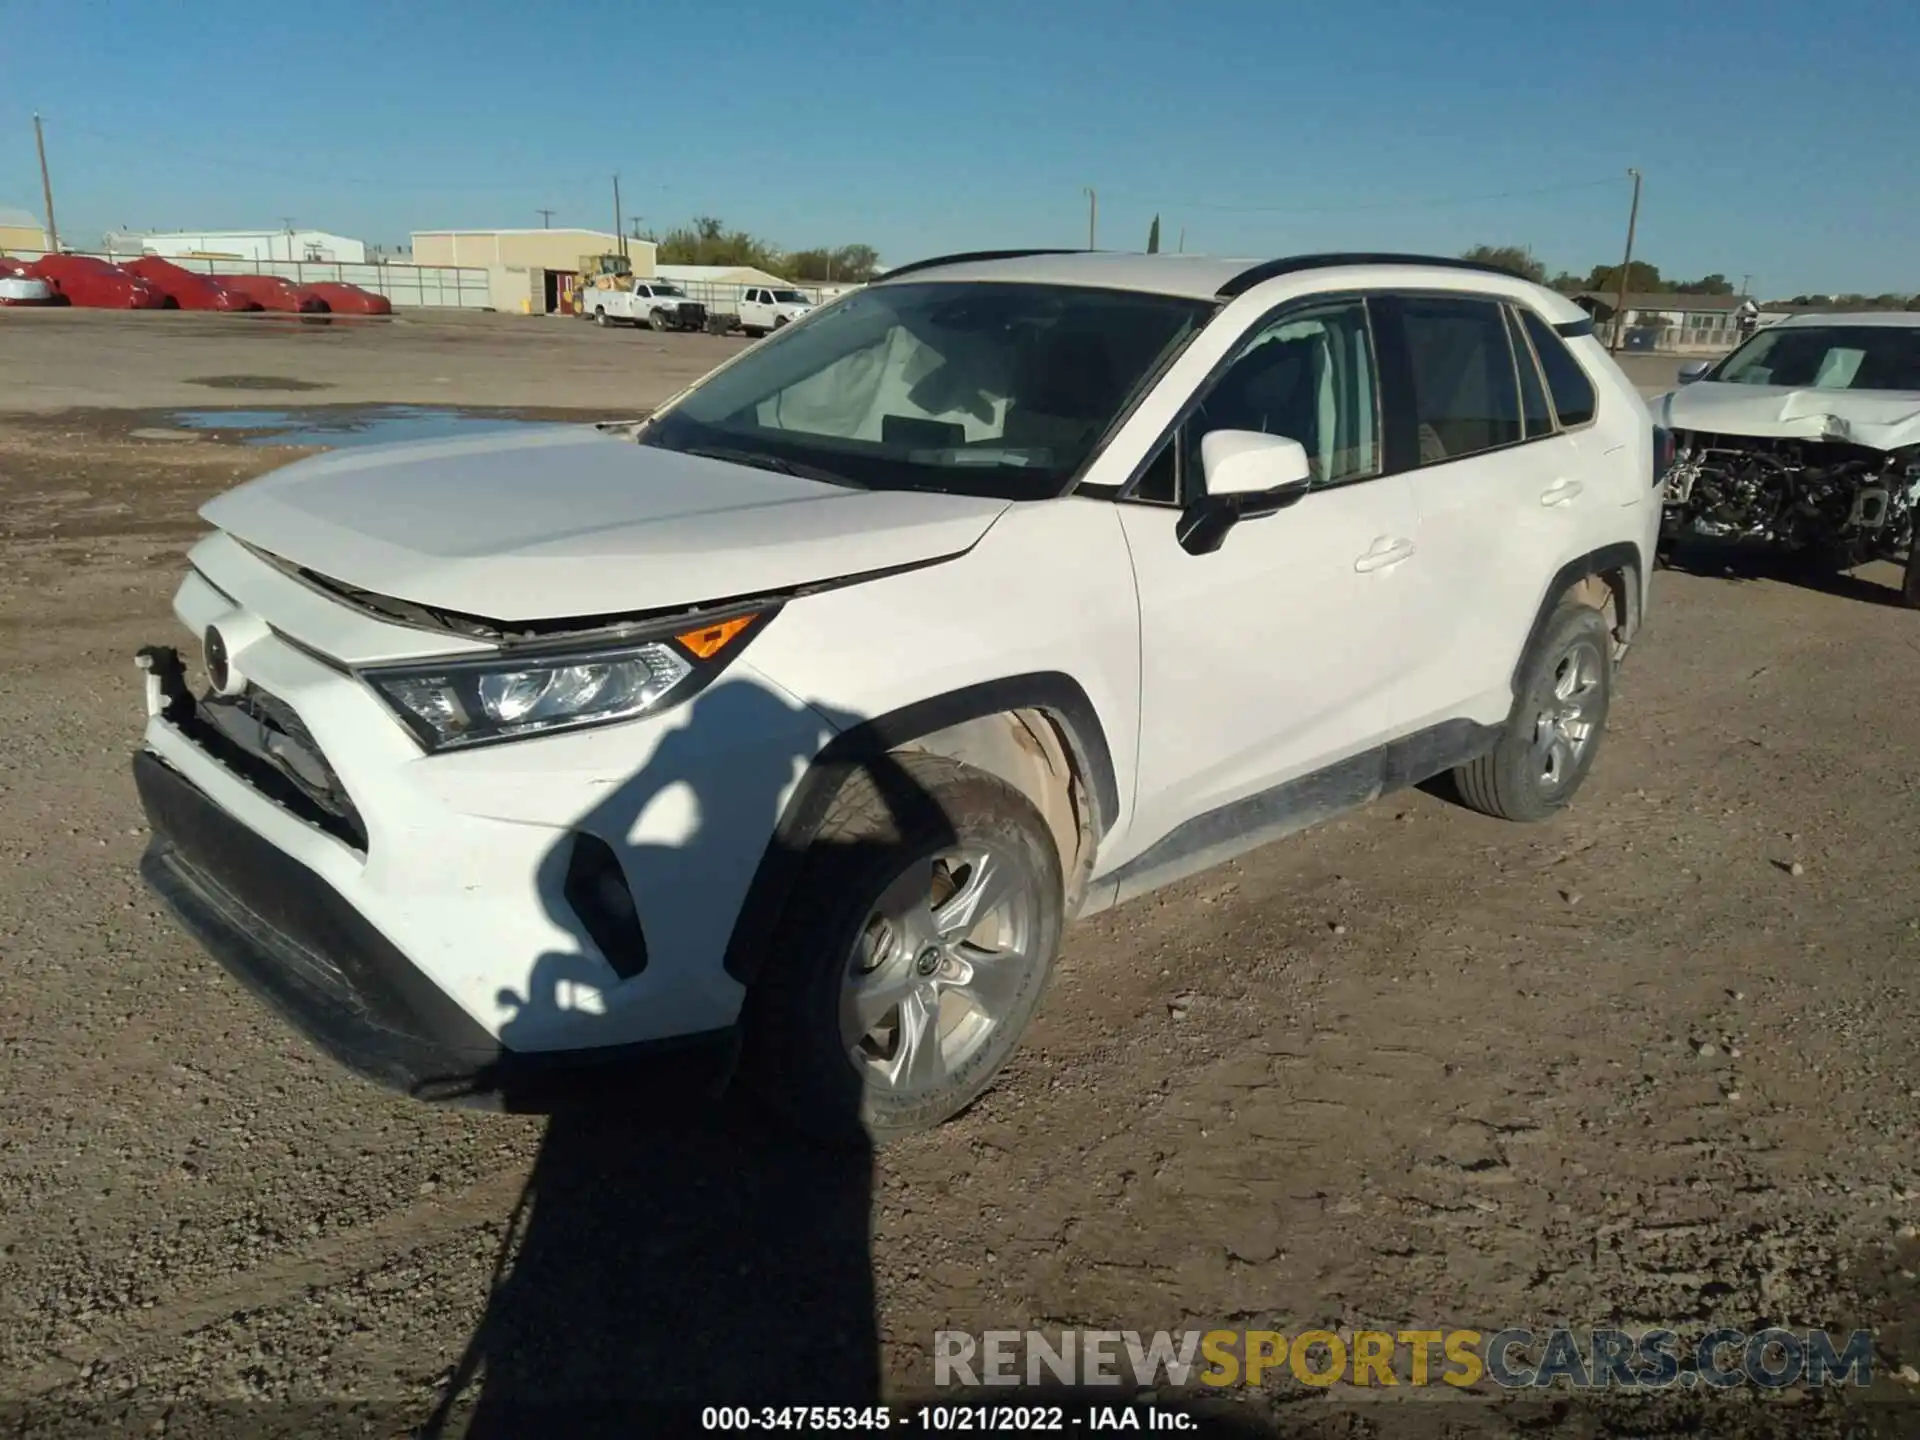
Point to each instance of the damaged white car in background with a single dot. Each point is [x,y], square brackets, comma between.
[1807,437]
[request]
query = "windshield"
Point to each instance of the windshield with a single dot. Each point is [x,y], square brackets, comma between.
[967,388]
[659,289]
[791,297]
[1827,357]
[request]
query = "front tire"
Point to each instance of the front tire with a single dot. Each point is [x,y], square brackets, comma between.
[658,320]
[1910,584]
[912,956]
[1553,732]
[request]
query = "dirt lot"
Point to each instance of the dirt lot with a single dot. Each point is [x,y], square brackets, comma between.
[1651,1064]
[52,360]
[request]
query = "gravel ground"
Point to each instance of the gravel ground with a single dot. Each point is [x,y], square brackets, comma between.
[1650,1064]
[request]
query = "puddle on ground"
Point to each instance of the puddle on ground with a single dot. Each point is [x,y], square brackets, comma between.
[255,382]
[361,425]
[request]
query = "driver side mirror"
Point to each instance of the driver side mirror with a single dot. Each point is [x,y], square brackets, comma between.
[1693,370]
[1248,474]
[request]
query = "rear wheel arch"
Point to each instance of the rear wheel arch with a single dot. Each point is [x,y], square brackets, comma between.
[1024,729]
[1609,580]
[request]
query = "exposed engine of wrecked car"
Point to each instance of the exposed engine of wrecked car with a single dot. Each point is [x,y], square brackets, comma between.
[1851,501]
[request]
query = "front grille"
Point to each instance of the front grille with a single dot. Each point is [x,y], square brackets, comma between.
[693,313]
[259,738]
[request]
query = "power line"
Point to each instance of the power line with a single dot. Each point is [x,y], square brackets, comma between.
[174,155]
[1290,209]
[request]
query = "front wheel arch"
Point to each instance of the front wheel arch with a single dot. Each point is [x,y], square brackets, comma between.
[870,748]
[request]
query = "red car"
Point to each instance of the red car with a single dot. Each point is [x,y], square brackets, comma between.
[351,299]
[95,284]
[273,293]
[188,289]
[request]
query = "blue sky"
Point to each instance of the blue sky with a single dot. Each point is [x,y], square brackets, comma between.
[1775,140]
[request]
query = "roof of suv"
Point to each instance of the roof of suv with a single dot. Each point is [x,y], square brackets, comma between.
[1204,277]
[1891,319]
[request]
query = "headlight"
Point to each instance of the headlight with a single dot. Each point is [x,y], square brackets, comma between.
[471,700]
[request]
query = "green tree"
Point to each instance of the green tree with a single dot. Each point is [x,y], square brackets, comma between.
[854,264]
[1642,279]
[1568,283]
[707,241]
[1153,237]
[1515,258]
[1714,284]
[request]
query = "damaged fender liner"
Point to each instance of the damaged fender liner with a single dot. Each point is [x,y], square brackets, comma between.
[297,944]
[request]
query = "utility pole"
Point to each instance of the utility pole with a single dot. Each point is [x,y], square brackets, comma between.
[1745,280]
[546,219]
[286,220]
[46,185]
[1626,268]
[1183,240]
[617,230]
[1093,215]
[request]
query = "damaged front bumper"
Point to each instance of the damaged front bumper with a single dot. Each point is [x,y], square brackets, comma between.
[298,941]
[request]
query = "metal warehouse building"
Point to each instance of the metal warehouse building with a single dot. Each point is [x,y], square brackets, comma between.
[732,275]
[20,231]
[317,246]
[528,270]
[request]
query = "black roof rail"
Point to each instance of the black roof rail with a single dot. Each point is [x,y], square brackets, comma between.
[969,256]
[1294,264]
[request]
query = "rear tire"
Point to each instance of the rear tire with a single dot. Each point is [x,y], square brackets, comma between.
[862,944]
[600,318]
[1554,730]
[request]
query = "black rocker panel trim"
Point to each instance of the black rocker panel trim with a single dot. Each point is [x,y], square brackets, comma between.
[1242,825]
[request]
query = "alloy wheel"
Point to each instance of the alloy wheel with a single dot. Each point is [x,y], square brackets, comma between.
[942,959]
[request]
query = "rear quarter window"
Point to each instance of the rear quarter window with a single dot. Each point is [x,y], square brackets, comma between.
[1572,391]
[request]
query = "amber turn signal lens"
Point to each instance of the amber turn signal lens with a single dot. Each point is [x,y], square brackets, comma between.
[710,640]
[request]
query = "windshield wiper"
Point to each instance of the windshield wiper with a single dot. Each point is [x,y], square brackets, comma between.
[759,461]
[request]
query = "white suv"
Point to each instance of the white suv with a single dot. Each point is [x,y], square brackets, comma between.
[793,727]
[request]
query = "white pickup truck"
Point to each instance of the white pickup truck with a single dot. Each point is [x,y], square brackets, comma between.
[656,304]
[764,308]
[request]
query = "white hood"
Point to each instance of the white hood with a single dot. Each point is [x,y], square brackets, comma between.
[558,524]
[1878,419]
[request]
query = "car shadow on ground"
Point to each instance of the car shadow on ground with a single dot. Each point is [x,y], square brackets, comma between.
[672,1246]
[1743,560]
[674,1249]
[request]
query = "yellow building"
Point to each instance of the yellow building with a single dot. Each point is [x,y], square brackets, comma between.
[20,231]
[528,270]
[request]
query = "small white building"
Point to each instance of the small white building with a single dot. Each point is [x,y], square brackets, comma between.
[734,275]
[256,245]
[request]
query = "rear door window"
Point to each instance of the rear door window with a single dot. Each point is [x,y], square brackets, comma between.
[1466,394]
[1535,414]
[1572,391]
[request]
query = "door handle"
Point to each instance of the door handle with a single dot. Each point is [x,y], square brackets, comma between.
[1560,492]
[1385,552]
